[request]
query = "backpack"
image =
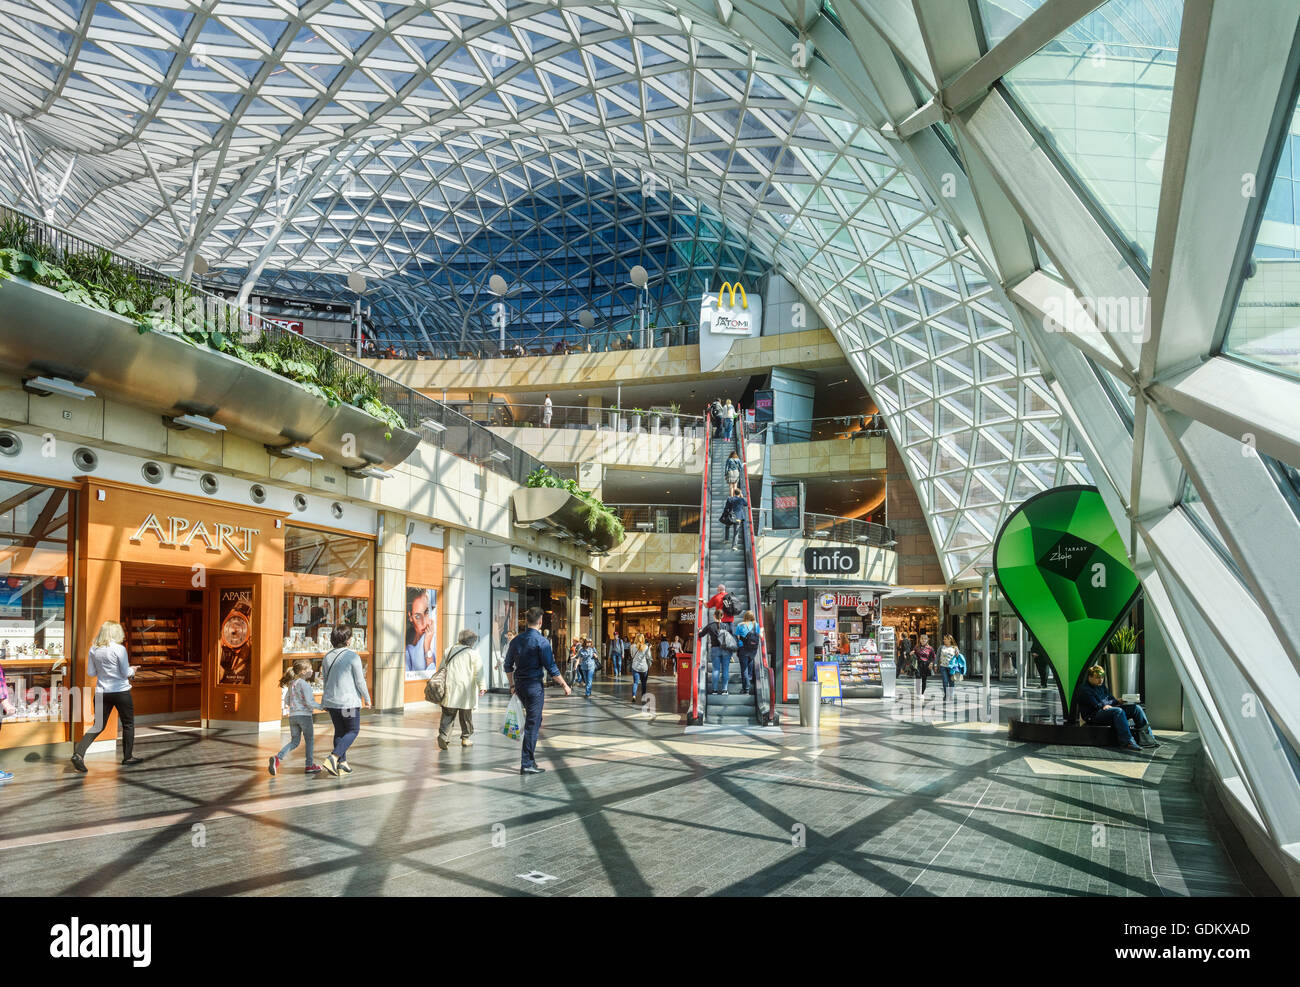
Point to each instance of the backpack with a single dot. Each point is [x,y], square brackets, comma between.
[726,640]
[730,605]
[435,690]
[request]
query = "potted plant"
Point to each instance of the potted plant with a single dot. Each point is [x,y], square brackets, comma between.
[674,412]
[636,419]
[616,419]
[1124,663]
[655,420]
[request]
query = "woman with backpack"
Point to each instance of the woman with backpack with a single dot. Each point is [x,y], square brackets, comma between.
[345,694]
[747,637]
[461,689]
[722,646]
[640,666]
[947,654]
[731,469]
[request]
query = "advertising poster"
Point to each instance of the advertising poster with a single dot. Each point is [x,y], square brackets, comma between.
[326,606]
[787,506]
[353,612]
[301,609]
[421,632]
[235,617]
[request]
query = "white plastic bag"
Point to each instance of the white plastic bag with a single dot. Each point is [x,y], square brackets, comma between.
[514,728]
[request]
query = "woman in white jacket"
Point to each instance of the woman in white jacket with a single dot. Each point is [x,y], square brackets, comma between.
[464,669]
[112,671]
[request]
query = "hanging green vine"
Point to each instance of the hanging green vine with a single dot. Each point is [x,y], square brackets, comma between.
[98,280]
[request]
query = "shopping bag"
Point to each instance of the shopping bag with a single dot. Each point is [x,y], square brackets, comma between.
[514,728]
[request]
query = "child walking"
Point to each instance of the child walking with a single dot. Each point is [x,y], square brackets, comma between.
[301,704]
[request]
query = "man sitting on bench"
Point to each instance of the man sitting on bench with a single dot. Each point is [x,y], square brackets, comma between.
[1099,708]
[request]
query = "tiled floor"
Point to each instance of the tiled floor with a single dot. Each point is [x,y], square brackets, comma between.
[893,799]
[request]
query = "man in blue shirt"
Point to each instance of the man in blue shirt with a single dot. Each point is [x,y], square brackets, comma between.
[528,659]
[616,654]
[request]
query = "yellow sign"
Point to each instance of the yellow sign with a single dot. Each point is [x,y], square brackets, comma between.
[727,286]
[828,674]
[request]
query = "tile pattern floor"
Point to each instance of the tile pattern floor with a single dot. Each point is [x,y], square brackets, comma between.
[882,799]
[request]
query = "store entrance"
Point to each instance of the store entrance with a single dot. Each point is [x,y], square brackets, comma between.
[163,616]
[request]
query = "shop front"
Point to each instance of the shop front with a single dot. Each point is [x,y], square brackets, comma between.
[522,579]
[199,587]
[37,546]
[832,625]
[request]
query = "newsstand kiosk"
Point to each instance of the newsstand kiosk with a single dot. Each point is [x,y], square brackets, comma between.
[824,622]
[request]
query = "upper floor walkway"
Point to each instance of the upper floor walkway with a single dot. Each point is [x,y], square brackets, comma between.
[532,371]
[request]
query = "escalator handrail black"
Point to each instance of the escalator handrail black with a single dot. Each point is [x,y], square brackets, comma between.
[762,666]
[698,666]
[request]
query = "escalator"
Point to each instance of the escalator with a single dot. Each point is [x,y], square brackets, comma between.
[736,570]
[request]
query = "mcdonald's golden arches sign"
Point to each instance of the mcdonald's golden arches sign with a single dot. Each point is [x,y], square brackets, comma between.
[726,314]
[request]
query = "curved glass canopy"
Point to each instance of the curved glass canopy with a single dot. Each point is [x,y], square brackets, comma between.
[429,147]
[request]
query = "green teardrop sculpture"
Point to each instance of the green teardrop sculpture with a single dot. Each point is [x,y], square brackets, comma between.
[1062,566]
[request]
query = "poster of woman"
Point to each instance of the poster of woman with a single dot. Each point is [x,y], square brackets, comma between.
[421,632]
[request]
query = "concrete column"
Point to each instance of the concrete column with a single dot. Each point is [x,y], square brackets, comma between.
[575,615]
[388,624]
[594,412]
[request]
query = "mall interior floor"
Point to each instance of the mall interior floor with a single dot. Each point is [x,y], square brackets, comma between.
[880,800]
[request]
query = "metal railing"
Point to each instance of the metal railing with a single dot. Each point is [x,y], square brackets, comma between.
[436,424]
[581,417]
[699,656]
[549,342]
[829,527]
[670,519]
[684,519]
[764,673]
[821,429]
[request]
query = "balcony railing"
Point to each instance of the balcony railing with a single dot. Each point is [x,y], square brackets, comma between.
[821,429]
[435,422]
[581,417]
[551,342]
[828,527]
[685,519]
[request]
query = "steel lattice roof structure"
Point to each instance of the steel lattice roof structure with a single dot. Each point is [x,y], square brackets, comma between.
[1055,238]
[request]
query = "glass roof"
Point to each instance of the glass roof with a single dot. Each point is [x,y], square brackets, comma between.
[431,147]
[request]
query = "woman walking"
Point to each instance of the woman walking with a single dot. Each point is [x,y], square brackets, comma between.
[587,662]
[728,420]
[345,694]
[640,666]
[109,664]
[924,657]
[722,645]
[464,667]
[947,653]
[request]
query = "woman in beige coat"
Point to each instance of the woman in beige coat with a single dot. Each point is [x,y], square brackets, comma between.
[464,668]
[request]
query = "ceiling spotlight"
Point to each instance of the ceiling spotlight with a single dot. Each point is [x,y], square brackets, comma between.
[294,452]
[499,456]
[201,422]
[432,426]
[45,386]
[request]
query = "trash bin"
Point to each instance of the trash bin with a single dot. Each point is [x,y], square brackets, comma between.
[810,703]
[1123,672]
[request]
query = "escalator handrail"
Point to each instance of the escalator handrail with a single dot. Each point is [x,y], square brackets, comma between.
[756,589]
[697,647]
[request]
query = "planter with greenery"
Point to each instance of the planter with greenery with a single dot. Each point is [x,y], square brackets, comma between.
[675,411]
[637,414]
[1123,661]
[97,279]
[592,517]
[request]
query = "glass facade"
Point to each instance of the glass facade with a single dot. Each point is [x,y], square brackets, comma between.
[36,541]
